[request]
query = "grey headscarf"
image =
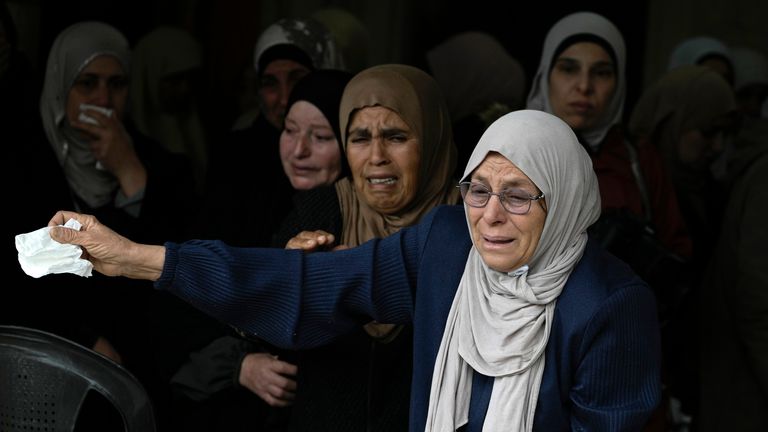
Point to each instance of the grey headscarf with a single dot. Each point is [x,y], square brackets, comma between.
[74,48]
[499,323]
[582,23]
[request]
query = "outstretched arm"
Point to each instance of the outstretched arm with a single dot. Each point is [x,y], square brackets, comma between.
[110,253]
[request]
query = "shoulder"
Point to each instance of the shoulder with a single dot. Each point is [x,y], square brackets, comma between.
[598,281]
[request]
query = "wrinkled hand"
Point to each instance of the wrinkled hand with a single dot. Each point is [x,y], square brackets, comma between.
[109,252]
[311,241]
[113,148]
[268,377]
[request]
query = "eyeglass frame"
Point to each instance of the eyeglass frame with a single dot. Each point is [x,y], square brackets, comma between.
[502,198]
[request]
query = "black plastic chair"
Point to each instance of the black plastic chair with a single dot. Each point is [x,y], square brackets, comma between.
[44,380]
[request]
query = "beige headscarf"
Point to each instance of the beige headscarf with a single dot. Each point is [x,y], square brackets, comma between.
[582,23]
[74,48]
[162,53]
[416,98]
[685,98]
[475,71]
[499,323]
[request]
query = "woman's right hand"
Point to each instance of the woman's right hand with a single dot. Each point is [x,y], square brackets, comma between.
[269,378]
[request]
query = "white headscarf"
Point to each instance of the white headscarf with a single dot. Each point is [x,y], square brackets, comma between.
[582,23]
[499,323]
[74,48]
[693,50]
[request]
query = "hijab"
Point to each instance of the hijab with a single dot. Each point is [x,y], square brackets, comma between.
[162,53]
[499,323]
[414,96]
[686,98]
[303,40]
[475,71]
[323,89]
[72,50]
[693,50]
[589,26]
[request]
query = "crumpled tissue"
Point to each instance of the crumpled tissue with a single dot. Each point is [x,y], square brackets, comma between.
[40,255]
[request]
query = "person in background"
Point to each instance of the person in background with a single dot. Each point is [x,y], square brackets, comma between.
[689,115]
[165,87]
[516,312]
[704,51]
[237,208]
[732,323]
[750,80]
[480,81]
[93,159]
[231,383]
[582,79]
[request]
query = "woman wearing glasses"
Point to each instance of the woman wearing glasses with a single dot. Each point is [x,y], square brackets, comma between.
[520,322]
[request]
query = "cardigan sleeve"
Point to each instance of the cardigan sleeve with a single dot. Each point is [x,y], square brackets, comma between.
[296,300]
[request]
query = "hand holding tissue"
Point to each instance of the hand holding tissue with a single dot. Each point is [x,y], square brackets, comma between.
[40,255]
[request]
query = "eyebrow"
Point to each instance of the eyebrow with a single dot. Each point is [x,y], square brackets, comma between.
[515,183]
[571,60]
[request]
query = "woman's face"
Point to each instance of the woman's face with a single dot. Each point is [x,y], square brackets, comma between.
[504,240]
[698,148]
[384,155]
[308,148]
[275,86]
[103,83]
[581,85]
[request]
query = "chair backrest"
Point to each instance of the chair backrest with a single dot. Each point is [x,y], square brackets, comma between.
[44,379]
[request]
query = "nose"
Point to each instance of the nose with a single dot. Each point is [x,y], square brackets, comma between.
[379,155]
[494,212]
[103,95]
[302,146]
[584,83]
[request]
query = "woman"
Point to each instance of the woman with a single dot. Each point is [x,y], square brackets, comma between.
[231,373]
[399,146]
[166,74]
[705,51]
[237,209]
[92,159]
[504,295]
[582,80]
[689,115]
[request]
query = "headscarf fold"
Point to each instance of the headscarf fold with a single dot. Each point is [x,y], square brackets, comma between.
[74,48]
[582,23]
[414,96]
[499,323]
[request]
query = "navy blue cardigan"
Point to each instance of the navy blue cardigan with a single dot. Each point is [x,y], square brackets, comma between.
[602,358]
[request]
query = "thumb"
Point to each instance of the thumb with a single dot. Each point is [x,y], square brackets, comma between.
[64,235]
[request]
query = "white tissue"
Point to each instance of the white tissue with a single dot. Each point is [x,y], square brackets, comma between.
[40,255]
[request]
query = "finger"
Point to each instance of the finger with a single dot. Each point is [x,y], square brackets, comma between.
[65,235]
[62,216]
[285,368]
[282,393]
[94,131]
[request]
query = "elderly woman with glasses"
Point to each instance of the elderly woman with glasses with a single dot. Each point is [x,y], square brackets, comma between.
[520,321]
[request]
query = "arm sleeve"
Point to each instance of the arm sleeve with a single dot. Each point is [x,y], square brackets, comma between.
[296,300]
[617,384]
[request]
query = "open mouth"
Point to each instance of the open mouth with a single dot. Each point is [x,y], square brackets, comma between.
[382,181]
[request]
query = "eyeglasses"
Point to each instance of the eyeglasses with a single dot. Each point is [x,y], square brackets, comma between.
[515,201]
